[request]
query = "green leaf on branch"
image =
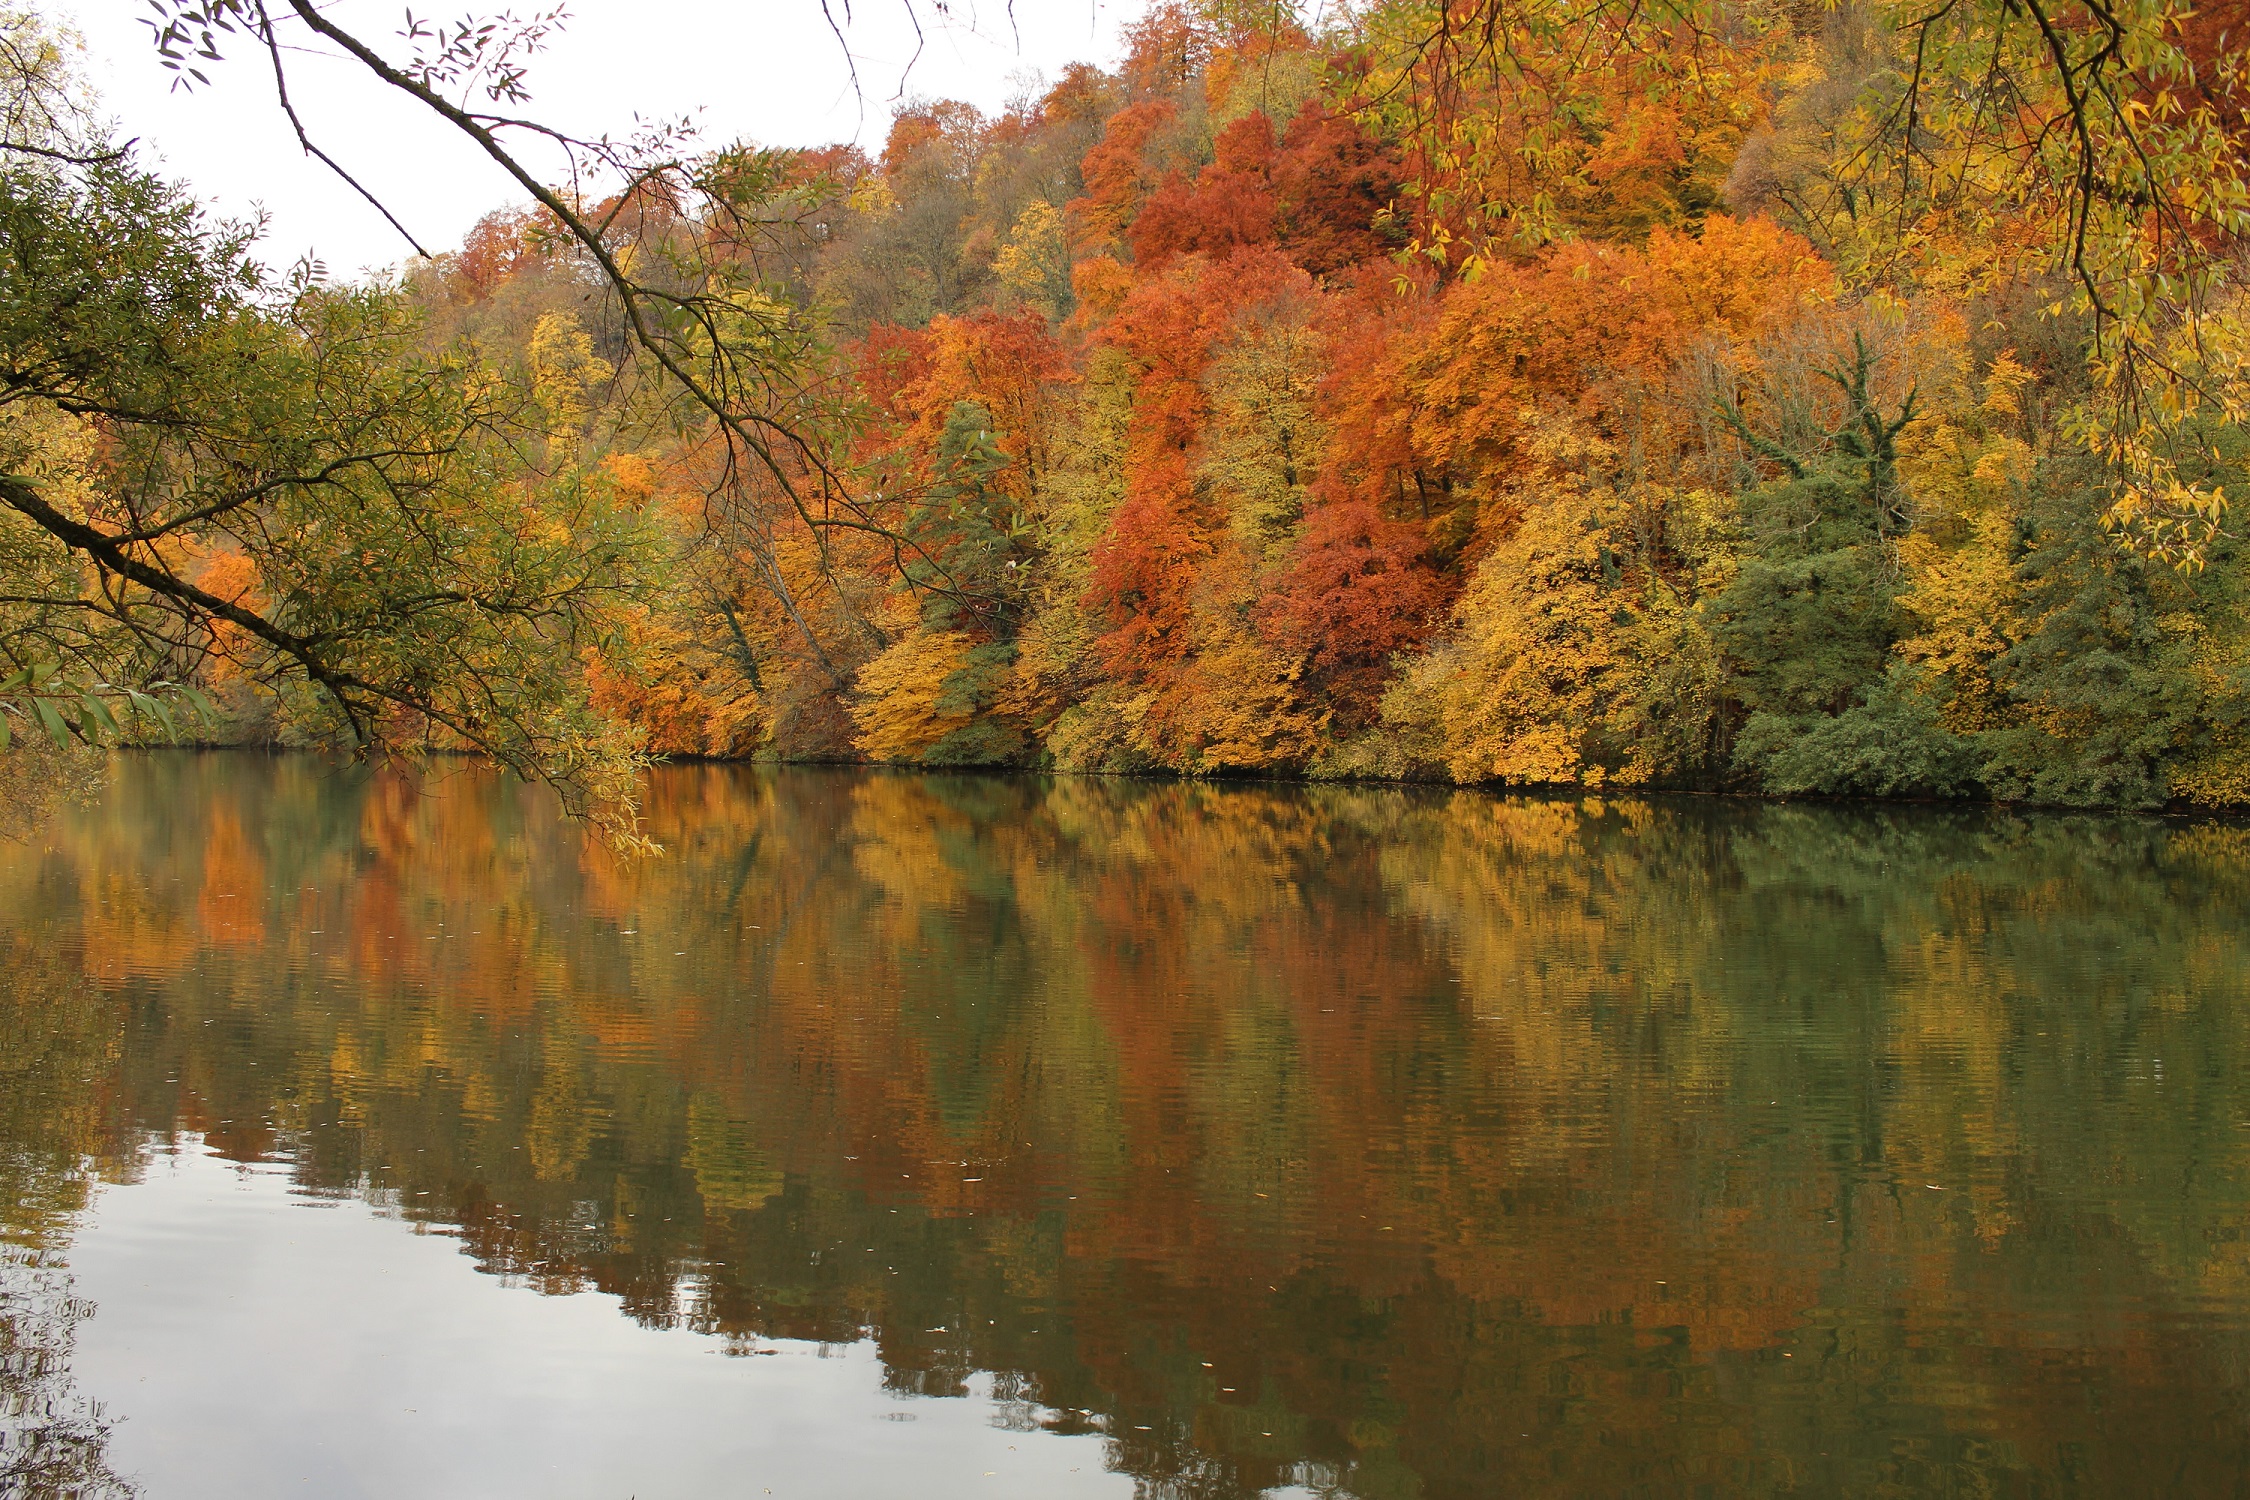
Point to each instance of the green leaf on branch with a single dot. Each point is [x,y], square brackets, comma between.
[56,730]
[100,713]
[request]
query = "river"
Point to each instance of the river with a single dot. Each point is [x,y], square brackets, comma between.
[903,1135]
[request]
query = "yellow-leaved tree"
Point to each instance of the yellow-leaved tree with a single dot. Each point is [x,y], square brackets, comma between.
[1577,656]
[901,709]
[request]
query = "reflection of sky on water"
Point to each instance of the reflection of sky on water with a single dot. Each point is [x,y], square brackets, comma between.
[422,1377]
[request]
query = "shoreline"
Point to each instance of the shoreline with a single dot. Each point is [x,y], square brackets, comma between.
[1559,791]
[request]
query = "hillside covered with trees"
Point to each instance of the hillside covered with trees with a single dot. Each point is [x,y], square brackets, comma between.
[1749,396]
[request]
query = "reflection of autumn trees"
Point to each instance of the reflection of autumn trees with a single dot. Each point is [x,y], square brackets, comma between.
[1405,1141]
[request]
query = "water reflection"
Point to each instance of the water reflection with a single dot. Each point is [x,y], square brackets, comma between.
[1378,1142]
[58,1047]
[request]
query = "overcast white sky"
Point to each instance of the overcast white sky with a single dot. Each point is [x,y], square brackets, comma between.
[769,70]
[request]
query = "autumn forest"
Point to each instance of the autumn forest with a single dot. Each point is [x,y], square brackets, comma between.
[1763,397]
[1314,420]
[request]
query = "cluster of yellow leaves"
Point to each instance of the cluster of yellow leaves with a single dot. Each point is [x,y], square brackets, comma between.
[565,373]
[1565,647]
[1035,261]
[899,690]
[1968,468]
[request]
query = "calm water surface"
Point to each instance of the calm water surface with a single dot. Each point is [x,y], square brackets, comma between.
[908,1136]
